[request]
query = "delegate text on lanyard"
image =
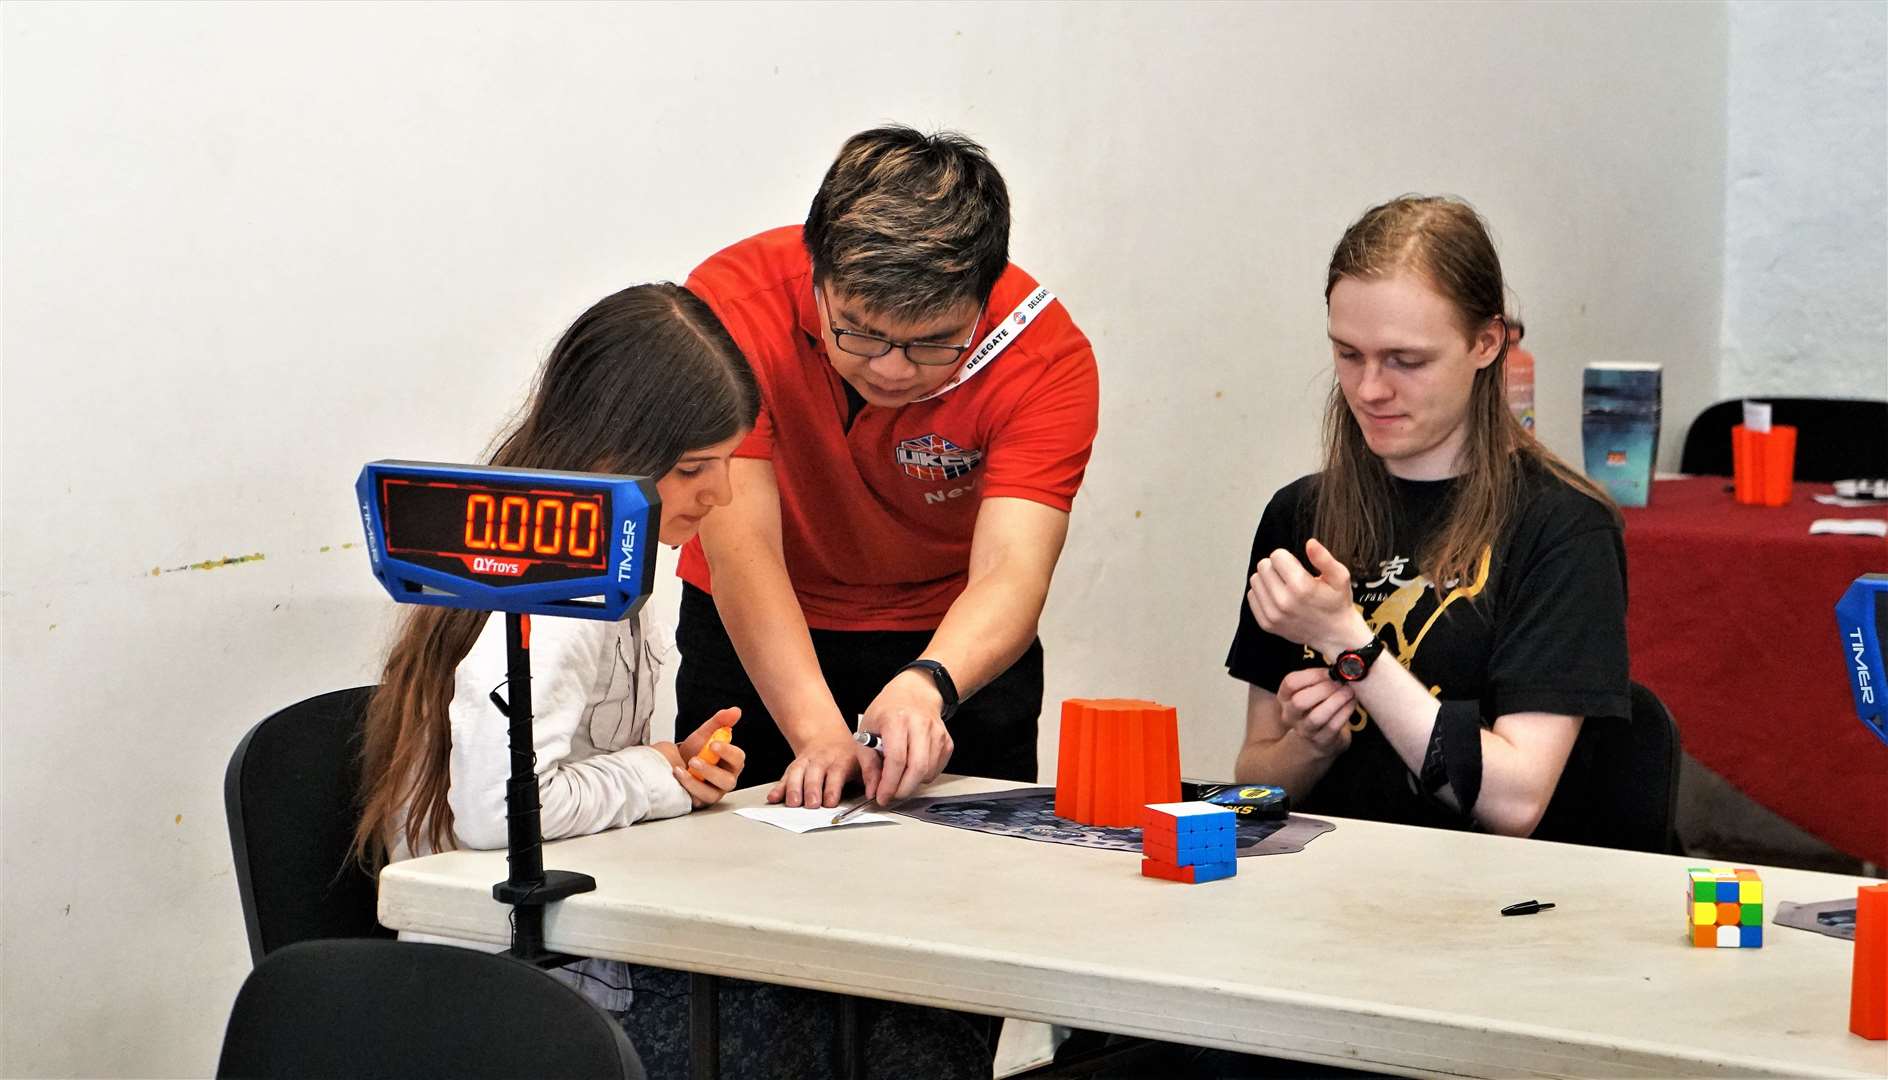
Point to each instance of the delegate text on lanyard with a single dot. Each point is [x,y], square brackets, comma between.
[1000,338]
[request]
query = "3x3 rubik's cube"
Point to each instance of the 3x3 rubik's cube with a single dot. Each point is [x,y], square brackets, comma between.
[1725,908]
[1192,842]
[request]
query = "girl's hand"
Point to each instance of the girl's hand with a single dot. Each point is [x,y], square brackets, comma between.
[1313,610]
[1317,707]
[714,780]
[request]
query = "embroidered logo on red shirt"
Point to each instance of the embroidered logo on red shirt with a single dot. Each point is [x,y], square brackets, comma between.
[933,457]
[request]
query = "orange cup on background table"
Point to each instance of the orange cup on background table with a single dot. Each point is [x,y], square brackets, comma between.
[1763,463]
[1868,995]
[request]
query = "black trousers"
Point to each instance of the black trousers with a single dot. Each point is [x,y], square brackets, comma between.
[994,730]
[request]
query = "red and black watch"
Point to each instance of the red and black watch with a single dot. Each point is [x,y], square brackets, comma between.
[1352,665]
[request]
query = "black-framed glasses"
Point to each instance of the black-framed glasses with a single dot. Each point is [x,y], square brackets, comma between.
[923,353]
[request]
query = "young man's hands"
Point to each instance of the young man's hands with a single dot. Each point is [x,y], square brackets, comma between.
[1298,605]
[1317,709]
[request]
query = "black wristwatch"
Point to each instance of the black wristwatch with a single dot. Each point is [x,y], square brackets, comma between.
[1352,665]
[946,689]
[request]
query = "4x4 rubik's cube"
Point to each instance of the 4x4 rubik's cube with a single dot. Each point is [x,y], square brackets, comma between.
[1725,908]
[1193,842]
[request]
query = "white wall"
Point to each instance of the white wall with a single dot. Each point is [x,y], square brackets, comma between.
[1806,201]
[248,248]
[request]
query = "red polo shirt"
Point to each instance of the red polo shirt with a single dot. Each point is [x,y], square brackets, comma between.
[876,521]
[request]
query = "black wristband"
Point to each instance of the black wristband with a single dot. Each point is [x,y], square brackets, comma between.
[946,687]
[1454,756]
[1432,776]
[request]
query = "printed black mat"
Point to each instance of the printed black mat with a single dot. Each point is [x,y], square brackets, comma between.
[1030,814]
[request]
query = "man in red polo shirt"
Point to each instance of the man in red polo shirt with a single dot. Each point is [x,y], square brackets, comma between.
[927,412]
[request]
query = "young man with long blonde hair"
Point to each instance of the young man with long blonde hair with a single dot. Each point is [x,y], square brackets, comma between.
[1431,617]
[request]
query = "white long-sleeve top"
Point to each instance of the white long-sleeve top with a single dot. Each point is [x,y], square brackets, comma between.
[592,696]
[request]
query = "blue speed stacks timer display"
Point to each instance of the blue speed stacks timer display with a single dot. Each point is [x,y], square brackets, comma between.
[520,541]
[1860,615]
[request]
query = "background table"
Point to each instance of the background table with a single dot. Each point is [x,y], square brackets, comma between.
[1732,623]
[1378,945]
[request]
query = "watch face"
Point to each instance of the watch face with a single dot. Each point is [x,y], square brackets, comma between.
[1351,666]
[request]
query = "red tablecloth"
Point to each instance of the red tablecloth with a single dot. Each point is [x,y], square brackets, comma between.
[1732,624]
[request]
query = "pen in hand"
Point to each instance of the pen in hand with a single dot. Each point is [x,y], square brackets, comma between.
[871,740]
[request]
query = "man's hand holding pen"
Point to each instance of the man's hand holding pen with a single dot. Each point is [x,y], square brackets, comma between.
[907,717]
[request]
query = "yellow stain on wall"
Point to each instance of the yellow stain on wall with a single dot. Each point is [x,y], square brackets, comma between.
[212,564]
[227,560]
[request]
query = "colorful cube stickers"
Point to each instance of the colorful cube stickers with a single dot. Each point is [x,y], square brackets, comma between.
[1724,907]
[1192,842]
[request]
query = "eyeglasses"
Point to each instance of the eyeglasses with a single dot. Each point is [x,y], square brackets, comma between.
[922,353]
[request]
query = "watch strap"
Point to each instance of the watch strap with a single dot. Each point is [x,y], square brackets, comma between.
[946,686]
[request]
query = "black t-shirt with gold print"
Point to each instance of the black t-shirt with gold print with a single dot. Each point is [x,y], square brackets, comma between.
[1540,626]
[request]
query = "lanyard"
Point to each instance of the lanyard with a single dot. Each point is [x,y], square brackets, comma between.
[1000,338]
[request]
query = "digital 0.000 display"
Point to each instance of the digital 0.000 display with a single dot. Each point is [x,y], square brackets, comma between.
[496,531]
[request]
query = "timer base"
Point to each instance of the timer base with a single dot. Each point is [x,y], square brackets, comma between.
[557,884]
[527,902]
[529,886]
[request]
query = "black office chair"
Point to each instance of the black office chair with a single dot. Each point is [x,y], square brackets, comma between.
[363,1008]
[289,794]
[1836,438]
[1632,773]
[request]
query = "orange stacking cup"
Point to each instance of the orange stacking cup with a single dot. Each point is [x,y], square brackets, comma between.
[1762,464]
[1868,994]
[1744,465]
[1117,755]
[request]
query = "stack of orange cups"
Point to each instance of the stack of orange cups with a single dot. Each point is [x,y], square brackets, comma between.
[1868,994]
[1762,464]
[1116,756]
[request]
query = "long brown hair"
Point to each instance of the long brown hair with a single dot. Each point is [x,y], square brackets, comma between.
[643,377]
[1446,242]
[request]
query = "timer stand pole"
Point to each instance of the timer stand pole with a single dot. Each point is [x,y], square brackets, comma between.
[529,886]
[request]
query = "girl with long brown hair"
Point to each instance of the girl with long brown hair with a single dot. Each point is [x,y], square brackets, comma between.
[1459,610]
[647,382]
